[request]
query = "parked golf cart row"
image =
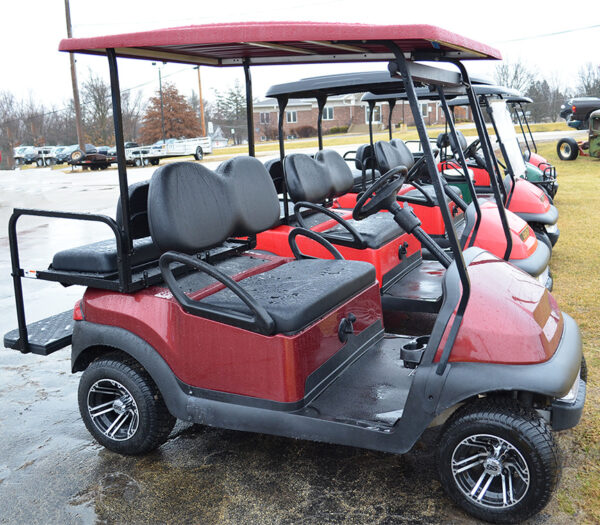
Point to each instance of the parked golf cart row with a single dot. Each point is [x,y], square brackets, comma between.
[336,330]
[40,156]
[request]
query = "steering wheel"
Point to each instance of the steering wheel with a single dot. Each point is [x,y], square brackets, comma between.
[471,149]
[380,194]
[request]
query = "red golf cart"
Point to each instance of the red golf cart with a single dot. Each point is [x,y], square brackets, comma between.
[183,318]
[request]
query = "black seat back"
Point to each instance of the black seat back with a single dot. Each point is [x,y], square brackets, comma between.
[138,210]
[191,208]
[275,169]
[408,159]
[389,157]
[462,142]
[317,179]
[364,157]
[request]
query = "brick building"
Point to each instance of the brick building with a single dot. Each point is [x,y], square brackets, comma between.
[341,111]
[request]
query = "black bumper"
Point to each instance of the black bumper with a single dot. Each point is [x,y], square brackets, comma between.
[549,218]
[537,262]
[567,415]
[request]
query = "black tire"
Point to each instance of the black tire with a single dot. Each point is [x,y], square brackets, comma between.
[530,449]
[199,155]
[154,162]
[137,163]
[146,162]
[123,381]
[39,162]
[48,162]
[567,149]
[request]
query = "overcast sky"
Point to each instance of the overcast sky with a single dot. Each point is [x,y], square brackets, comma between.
[32,29]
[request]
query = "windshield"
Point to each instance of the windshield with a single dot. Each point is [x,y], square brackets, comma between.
[508,136]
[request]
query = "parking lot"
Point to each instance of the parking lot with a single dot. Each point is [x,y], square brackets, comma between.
[51,471]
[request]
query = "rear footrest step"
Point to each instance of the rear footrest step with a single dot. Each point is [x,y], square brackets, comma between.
[45,336]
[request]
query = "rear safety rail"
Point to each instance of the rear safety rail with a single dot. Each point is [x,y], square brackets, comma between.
[52,333]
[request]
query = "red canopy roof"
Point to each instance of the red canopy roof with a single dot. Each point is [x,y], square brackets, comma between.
[282,42]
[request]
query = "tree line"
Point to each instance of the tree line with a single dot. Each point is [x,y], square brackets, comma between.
[28,122]
[548,94]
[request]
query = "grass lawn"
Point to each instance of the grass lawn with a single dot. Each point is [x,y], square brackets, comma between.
[576,268]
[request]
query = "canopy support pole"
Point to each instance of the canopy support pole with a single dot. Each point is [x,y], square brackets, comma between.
[282,102]
[249,109]
[121,163]
[403,69]
[321,101]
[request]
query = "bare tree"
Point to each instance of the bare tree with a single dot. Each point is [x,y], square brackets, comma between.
[132,109]
[97,110]
[515,75]
[589,80]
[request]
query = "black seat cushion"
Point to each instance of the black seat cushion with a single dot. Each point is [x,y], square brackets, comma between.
[191,208]
[101,257]
[377,230]
[298,293]
[370,177]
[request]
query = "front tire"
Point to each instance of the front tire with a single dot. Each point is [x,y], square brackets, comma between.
[122,407]
[498,461]
[567,149]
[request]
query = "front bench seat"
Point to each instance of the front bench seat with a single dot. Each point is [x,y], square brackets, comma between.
[191,208]
[326,176]
[101,257]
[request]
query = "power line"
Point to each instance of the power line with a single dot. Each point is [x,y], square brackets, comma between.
[545,35]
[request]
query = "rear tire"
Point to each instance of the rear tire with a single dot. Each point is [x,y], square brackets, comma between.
[39,163]
[498,461]
[567,149]
[199,155]
[137,163]
[122,407]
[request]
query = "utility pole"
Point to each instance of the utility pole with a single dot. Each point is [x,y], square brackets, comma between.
[162,108]
[74,82]
[202,124]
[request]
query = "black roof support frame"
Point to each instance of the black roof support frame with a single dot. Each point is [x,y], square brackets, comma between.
[488,154]
[404,70]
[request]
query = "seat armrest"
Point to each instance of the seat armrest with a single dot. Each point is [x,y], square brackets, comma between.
[260,321]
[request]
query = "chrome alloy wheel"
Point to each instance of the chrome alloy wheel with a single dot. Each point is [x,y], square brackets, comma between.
[490,471]
[112,409]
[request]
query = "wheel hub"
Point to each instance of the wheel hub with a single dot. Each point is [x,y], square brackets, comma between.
[493,466]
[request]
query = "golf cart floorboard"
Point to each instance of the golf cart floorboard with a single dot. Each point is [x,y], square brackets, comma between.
[45,336]
[371,392]
[420,290]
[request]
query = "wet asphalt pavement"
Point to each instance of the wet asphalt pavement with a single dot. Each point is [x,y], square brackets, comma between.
[51,471]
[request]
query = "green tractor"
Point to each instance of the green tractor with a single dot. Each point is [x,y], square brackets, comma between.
[570,149]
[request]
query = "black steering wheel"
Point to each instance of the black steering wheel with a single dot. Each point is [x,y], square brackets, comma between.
[381,194]
[472,148]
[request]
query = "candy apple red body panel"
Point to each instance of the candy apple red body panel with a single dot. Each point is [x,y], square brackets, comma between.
[211,355]
[511,318]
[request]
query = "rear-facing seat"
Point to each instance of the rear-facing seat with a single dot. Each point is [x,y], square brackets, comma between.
[101,257]
[191,208]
